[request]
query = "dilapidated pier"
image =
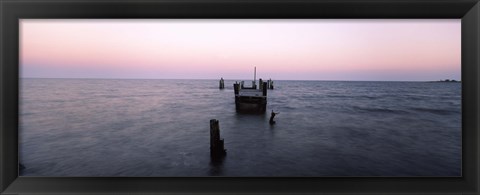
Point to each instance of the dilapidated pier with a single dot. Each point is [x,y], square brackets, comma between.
[250,99]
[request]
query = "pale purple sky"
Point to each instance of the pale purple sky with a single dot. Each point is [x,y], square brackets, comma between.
[312,49]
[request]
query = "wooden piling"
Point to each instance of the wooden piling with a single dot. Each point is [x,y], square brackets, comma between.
[264,88]
[217,149]
[271,121]
[236,88]
[254,75]
[221,84]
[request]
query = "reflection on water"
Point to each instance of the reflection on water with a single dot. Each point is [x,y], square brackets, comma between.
[216,166]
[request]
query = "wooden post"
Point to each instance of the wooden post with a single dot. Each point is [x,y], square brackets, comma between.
[214,135]
[271,121]
[216,144]
[236,88]
[264,88]
[221,84]
[260,84]
[255,75]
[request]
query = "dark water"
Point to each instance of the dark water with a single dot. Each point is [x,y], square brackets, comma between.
[88,127]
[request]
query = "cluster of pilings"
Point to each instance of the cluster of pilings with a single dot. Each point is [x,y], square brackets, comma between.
[269,84]
[217,149]
[242,85]
[263,87]
[221,84]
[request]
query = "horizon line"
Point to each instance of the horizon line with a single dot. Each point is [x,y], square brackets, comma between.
[93,78]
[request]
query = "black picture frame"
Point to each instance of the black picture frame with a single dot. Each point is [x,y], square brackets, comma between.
[13,10]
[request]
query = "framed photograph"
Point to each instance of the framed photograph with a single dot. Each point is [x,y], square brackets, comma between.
[240,97]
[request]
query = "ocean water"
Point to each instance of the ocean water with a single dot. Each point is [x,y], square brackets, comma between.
[95,127]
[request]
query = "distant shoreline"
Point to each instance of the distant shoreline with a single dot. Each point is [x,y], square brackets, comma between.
[446,81]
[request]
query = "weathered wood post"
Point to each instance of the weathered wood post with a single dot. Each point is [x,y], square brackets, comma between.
[272,115]
[264,91]
[236,88]
[221,84]
[271,84]
[217,149]
[254,78]
[264,88]
[260,84]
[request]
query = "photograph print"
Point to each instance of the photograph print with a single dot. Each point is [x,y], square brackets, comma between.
[240,98]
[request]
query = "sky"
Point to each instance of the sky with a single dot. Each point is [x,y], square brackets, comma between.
[281,49]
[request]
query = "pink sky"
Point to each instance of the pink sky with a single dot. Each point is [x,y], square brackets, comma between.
[313,49]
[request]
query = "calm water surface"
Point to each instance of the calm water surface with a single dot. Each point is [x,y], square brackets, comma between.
[95,127]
